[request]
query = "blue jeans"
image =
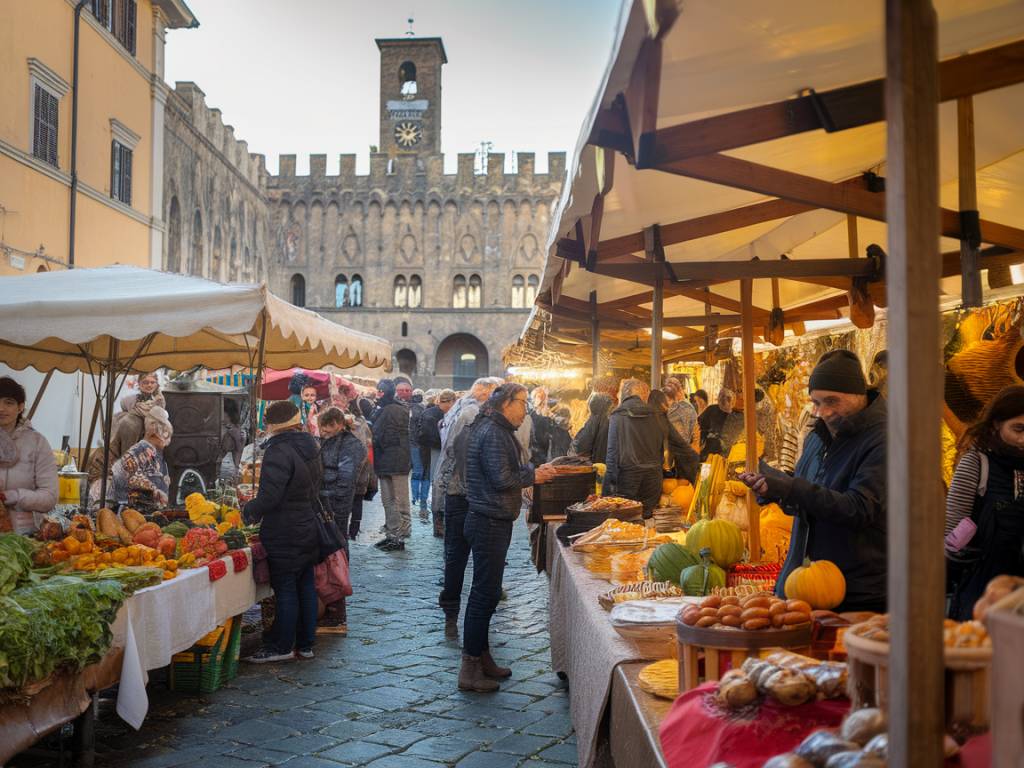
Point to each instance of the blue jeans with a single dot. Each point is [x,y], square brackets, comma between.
[488,539]
[417,474]
[294,611]
[456,554]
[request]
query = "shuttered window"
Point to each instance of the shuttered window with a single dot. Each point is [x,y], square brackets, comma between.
[120,172]
[44,126]
[119,16]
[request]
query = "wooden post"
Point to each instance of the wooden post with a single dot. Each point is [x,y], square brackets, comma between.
[39,394]
[916,578]
[655,253]
[595,337]
[750,413]
[853,248]
[970,240]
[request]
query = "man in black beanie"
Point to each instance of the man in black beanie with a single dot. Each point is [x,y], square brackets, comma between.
[837,494]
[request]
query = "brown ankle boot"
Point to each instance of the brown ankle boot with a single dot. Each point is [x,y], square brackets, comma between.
[472,678]
[491,668]
[451,627]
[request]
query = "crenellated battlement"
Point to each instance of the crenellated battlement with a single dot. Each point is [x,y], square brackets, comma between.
[208,122]
[403,171]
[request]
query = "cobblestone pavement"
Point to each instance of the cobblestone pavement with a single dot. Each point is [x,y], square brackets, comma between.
[385,695]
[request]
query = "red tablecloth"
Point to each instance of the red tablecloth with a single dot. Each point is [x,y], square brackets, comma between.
[697,733]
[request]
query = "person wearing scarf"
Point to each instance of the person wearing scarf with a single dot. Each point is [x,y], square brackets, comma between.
[28,472]
[140,476]
[130,425]
[984,506]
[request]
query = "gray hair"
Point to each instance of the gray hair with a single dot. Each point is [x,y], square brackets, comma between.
[158,422]
[631,387]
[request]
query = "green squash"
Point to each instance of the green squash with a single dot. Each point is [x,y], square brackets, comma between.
[668,561]
[700,580]
[722,537]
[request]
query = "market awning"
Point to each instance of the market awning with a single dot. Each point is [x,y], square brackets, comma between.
[728,132]
[71,320]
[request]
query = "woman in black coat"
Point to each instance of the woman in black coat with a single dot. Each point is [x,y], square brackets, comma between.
[592,439]
[284,506]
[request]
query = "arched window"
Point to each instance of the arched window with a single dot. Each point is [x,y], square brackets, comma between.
[405,328]
[475,299]
[459,292]
[355,291]
[340,291]
[298,290]
[196,257]
[174,237]
[233,270]
[532,285]
[407,78]
[406,360]
[401,292]
[415,291]
[518,292]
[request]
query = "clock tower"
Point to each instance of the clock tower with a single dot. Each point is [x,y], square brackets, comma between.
[410,95]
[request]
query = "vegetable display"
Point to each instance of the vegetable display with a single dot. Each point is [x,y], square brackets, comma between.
[62,622]
[699,580]
[15,561]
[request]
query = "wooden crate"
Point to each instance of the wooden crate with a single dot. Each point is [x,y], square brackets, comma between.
[967,681]
[725,649]
[1005,622]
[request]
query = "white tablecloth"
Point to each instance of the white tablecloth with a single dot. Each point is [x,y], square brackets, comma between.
[157,622]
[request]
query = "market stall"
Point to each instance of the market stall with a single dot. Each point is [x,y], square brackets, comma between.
[173,578]
[725,135]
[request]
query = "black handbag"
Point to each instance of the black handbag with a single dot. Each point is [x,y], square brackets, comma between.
[329,537]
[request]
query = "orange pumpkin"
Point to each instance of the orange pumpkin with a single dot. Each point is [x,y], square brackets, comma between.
[682,495]
[669,484]
[819,583]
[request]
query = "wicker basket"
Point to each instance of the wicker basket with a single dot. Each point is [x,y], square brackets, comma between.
[968,672]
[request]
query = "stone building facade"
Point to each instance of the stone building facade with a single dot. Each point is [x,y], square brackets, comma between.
[445,266]
[215,202]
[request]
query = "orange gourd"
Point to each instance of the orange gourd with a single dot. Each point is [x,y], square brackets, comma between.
[819,583]
[669,484]
[682,495]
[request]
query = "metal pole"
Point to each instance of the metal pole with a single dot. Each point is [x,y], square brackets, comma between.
[39,394]
[595,337]
[109,416]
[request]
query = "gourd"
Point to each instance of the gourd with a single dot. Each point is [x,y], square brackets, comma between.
[819,583]
[722,537]
[668,561]
[669,484]
[700,580]
[682,495]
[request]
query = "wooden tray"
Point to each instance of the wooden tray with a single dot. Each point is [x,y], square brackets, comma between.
[716,650]
[741,639]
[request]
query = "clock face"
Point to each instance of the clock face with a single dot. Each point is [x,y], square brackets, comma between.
[408,133]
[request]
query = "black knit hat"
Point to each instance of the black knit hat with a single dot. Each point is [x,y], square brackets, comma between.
[12,389]
[839,371]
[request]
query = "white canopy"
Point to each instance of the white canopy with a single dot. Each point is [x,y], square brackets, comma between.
[68,320]
[717,58]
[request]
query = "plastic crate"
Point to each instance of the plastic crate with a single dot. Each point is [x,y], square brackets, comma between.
[205,668]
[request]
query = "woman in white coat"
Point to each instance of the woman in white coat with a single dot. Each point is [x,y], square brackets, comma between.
[28,472]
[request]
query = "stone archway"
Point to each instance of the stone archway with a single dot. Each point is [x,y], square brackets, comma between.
[405,360]
[463,358]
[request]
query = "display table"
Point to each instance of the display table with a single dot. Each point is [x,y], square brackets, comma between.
[584,645]
[157,622]
[634,720]
[152,625]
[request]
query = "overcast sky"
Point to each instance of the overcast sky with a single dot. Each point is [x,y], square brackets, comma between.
[301,77]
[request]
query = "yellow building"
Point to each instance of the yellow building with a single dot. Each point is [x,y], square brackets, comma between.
[95,198]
